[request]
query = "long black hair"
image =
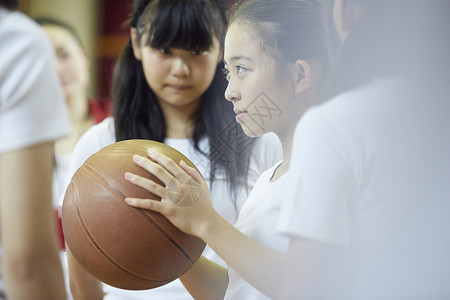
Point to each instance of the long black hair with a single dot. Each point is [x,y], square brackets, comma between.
[402,38]
[189,25]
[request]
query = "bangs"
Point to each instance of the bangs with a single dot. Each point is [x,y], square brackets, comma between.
[182,25]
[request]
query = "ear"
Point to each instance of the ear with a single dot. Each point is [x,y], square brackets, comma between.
[220,58]
[135,44]
[302,76]
[349,12]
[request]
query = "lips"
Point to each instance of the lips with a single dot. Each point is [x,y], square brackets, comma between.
[238,112]
[180,87]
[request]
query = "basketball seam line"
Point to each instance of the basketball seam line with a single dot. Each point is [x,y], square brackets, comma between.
[97,246]
[178,246]
[155,224]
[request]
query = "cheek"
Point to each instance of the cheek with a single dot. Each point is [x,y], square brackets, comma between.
[205,73]
[152,78]
[64,66]
[82,70]
[254,86]
[76,66]
[154,70]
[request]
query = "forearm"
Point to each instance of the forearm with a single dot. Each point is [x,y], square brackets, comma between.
[25,278]
[30,250]
[206,280]
[259,265]
[83,285]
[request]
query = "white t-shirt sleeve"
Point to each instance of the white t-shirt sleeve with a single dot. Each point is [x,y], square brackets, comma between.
[320,180]
[92,141]
[32,107]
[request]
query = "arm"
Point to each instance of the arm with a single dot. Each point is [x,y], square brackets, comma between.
[82,284]
[259,265]
[205,280]
[30,249]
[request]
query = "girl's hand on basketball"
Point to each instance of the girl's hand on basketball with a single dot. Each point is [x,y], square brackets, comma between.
[185,198]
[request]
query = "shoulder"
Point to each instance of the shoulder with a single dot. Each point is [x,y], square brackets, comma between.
[27,65]
[31,97]
[356,110]
[19,31]
[99,135]
[368,96]
[96,138]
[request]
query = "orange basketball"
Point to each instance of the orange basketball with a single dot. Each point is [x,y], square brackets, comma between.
[123,246]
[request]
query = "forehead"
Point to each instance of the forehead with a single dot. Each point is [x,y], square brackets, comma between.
[239,42]
[59,35]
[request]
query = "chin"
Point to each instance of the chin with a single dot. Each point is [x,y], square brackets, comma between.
[251,132]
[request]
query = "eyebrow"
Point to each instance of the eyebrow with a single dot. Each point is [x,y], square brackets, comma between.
[236,58]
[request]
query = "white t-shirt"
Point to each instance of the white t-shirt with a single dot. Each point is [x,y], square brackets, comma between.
[32,107]
[257,220]
[370,171]
[266,152]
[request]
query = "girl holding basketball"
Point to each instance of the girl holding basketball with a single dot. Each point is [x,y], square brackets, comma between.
[168,87]
[274,67]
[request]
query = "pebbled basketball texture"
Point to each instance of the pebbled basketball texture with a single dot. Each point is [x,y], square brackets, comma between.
[123,246]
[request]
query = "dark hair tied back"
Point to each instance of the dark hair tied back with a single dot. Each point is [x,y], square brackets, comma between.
[287,30]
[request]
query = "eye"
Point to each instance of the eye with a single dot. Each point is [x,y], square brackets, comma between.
[240,69]
[226,73]
[199,52]
[164,50]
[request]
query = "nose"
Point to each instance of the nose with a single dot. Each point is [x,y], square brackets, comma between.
[180,67]
[232,93]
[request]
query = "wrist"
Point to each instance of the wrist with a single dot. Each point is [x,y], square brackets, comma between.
[210,228]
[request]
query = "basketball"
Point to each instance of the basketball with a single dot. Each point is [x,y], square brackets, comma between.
[120,245]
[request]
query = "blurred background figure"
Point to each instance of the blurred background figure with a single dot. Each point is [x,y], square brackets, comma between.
[73,71]
[368,210]
[32,116]
[72,65]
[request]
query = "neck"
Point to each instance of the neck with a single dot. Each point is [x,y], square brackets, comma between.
[79,116]
[78,108]
[180,120]
[285,132]
[286,138]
